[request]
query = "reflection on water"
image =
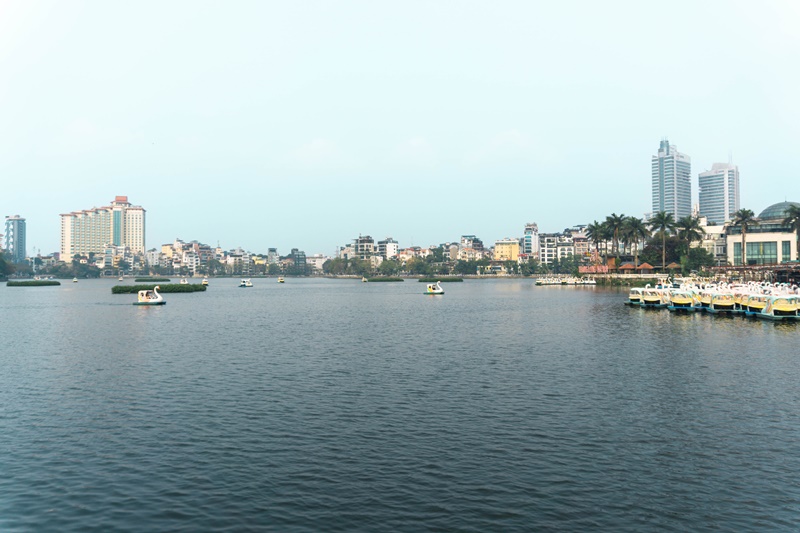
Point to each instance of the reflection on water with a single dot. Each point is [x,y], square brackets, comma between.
[335,405]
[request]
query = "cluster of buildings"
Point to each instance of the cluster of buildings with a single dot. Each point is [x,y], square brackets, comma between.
[671,173]
[769,242]
[112,237]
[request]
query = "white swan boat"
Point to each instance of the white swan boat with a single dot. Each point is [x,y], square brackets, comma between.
[148,297]
[74,280]
[434,288]
[184,281]
[245,283]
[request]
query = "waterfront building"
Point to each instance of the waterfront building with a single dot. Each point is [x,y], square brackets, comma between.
[364,247]
[671,181]
[298,258]
[719,192]
[715,242]
[770,242]
[506,250]
[90,230]
[548,251]
[316,261]
[15,239]
[471,241]
[272,256]
[530,240]
[388,248]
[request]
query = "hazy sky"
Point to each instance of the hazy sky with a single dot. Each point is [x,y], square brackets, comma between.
[302,124]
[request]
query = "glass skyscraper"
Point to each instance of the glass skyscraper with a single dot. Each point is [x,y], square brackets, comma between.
[15,239]
[719,193]
[671,180]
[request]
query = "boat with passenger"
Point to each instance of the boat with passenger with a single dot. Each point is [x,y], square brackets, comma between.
[150,297]
[246,283]
[280,279]
[434,288]
[204,282]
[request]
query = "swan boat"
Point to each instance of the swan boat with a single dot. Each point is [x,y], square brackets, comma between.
[434,288]
[184,281]
[74,280]
[780,307]
[635,296]
[280,279]
[204,282]
[148,297]
[655,297]
[245,283]
[681,299]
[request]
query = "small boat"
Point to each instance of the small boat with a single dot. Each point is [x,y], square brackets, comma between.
[121,278]
[635,296]
[245,283]
[280,279]
[755,304]
[780,307]
[74,280]
[184,281]
[148,297]
[434,288]
[363,279]
[681,300]
[654,297]
[204,282]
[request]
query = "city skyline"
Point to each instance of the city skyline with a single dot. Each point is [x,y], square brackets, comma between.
[299,126]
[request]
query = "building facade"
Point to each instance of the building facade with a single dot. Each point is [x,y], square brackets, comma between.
[15,239]
[90,230]
[506,250]
[530,240]
[719,193]
[671,181]
[768,243]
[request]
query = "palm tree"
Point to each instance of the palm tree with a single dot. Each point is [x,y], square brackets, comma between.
[690,230]
[793,220]
[594,232]
[615,223]
[637,232]
[663,223]
[744,218]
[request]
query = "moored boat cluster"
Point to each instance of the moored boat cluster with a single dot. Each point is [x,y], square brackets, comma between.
[566,281]
[771,301]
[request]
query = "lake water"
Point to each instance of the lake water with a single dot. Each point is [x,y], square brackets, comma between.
[335,405]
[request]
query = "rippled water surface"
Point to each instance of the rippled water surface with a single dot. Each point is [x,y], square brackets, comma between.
[332,405]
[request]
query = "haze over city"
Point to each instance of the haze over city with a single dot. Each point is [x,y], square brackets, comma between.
[265,124]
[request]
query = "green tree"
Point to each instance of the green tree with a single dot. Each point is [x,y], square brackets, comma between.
[389,267]
[689,230]
[274,269]
[793,221]
[123,265]
[662,223]
[637,231]
[744,218]
[595,233]
[6,268]
[417,267]
[615,223]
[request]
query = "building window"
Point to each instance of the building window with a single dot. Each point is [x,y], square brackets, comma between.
[786,251]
